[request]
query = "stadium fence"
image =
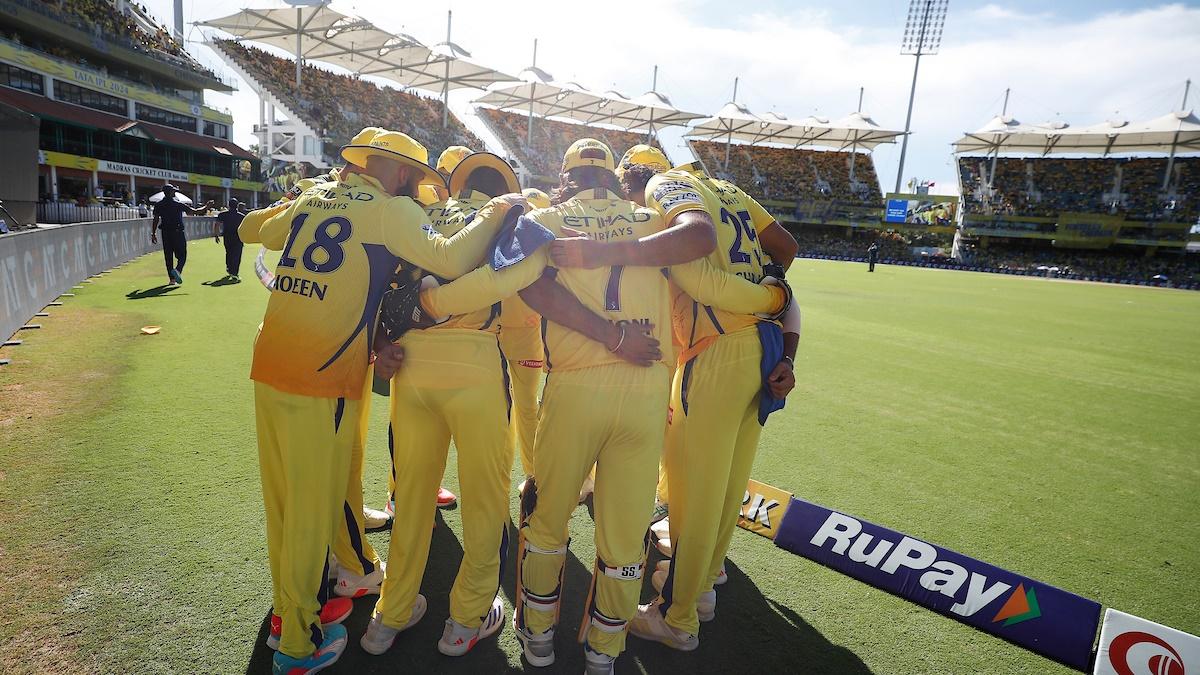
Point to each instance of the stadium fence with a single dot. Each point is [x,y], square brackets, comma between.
[65,213]
[37,266]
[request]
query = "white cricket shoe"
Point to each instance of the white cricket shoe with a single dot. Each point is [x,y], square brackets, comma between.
[539,649]
[706,604]
[649,624]
[722,577]
[457,639]
[353,586]
[380,636]
[373,519]
[595,663]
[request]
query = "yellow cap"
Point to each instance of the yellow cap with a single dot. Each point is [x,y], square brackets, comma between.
[397,147]
[479,160]
[588,152]
[427,195]
[536,198]
[643,154]
[450,158]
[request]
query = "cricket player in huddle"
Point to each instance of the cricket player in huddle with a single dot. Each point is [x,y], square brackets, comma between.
[453,386]
[588,370]
[341,243]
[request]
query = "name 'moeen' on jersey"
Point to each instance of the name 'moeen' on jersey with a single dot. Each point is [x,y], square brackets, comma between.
[633,296]
[738,219]
[340,244]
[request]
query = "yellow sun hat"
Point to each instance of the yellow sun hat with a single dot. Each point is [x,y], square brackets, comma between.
[398,147]
[588,152]
[479,160]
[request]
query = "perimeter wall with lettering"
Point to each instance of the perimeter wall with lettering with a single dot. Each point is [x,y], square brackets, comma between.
[37,266]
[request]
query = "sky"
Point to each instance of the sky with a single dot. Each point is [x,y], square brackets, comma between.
[1077,61]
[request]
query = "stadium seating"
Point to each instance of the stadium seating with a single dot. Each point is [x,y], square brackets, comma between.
[1045,187]
[340,105]
[1114,265]
[543,157]
[101,19]
[796,175]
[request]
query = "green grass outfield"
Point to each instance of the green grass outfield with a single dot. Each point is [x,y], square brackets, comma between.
[1049,428]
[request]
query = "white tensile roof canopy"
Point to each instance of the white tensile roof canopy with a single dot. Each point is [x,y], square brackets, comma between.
[537,93]
[735,122]
[1173,132]
[317,32]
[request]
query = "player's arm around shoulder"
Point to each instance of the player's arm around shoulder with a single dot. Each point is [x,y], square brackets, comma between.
[250,229]
[275,227]
[409,236]
[483,287]
[727,291]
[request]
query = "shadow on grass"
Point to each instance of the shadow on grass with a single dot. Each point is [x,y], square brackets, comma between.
[156,292]
[223,281]
[750,630]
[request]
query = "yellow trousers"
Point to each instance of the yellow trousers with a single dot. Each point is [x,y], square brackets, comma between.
[711,442]
[522,348]
[451,387]
[611,417]
[304,446]
[350,546]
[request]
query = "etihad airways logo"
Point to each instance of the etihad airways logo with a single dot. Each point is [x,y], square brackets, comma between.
[970,590]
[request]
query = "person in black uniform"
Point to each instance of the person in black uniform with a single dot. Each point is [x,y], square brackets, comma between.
[872,256]
[168,215]
[227,225]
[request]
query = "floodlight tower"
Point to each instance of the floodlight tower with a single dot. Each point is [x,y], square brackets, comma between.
[922,36]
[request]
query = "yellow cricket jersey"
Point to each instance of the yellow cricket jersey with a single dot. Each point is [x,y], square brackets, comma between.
[738,219]
[341,243]
[635,296]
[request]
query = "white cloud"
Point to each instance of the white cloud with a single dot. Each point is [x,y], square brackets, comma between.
[801,62]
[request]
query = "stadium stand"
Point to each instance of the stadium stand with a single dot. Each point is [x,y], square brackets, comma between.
[341,105]
[543,157]
[787,174]
[912,248]
[132,26]
[1046,187]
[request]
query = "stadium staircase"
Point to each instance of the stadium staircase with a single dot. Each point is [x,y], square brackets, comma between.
[479,125]
[264,91]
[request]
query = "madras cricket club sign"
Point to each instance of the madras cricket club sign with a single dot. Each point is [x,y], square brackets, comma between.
[763,508]
[1031,614]
[1130,645]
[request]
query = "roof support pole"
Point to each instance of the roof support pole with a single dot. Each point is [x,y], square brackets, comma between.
[996,153]
[729,140]
[1187,86]
[446,81]
[532,94]
[299,48]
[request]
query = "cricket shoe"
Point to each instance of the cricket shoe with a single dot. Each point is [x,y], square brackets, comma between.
[649,624]
[380,636]
[660,511]
[722,577]
[353,586]
[374,519]
[706,604]
[332,646]
[176,276]
[457,639]
[390,507]
[333,612]
[539,649]
[445,498]
[595,663]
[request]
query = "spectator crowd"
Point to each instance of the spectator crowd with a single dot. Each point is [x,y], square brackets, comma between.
[912,248]
[1045,187]
[338,106]
[797,175]
[131,27]
[542,154]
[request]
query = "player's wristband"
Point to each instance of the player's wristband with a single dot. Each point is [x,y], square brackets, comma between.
[790,361]
[620,341]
